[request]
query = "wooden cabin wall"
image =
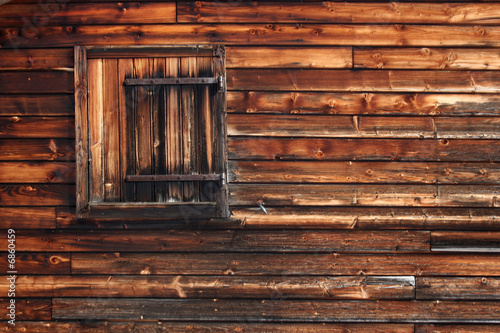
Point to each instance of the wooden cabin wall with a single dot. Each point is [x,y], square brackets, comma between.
[369,132]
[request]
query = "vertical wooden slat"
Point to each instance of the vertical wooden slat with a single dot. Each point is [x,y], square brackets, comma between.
[158,109]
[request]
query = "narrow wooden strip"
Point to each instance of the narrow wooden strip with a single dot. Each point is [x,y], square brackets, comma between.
[363,80]
[163,178]
[363,149]
[182,211]
[226,240]
[272,310]
[466,241]
[286,57]
[363,172]
[37,172]
[150,51]
[426,58]
[363,103]
[171,81]
[28,218]
[37,105]
[37,127]
[458,288]
[37,149]
[435,328]
[37,195]
[36,82]
[321,287]
[334,12]
[27,308]
[365,195]
[38,263]
[53,59]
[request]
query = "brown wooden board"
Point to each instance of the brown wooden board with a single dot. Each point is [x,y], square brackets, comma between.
[28,218]
[466,241]
[37,105]
[36,82]
[37,172]
[37,195]
[37,127]
[435,328]
[27,309]
[38,263]
[458,288]
[53,59]
[37,149]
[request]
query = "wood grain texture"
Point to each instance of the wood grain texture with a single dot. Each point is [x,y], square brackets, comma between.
[435,328]
[458,288]
[466,241]
[37,172]
[39,263]
[37,195]
[36,82]
[37,105]
[43,59]
[37,149]
[28,309]
[28,218]
[37,127]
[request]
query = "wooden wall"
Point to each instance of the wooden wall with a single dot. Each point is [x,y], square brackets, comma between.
[368,130]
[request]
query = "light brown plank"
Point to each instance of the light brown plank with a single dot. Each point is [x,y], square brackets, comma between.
[37,127]
[435,328]
[37,149]
[36,82]
[37,105]
[28,218]
[37,195]
[53,59]
[287,57]
[466,241]
[458,288]
[37,172]
[38,263]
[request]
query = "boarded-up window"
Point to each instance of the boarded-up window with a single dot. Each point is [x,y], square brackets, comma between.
[151,132]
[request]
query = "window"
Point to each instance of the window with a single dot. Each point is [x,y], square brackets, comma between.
[150,132]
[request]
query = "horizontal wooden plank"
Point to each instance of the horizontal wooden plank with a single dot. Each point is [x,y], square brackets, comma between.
[37,149]
[334,264]
[335,12]
[28,218]
[288,57]
[362,172]
[436,328]
[37,195]
[458,288]
[426,58]
[184,211]
[363,103]
[37,172]
[272,310]
[36,82]
[53,59]
[466,241]
[37,105]
[37,263]
[336,126]
[37,127]
[369,218]
[365,195]
[255,34]
[363,80]
[27,309]
[225,240]
[328,149]
[37,15]
[343,287]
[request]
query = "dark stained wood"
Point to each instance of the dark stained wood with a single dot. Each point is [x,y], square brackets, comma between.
[458,288]
[363,149]
[281,287]
[37,127]
[38,263]
[37,195]
[286,57]
[435,328]
[466,241]
[37,105]
[36,82]
[37,149]
[159,128]
[54,59]
[363,103]
[426,58]
[273,310]
[28,218]
[28,309]
[363,172]
[363,80]
[179,210]
[334,12]
[37,172]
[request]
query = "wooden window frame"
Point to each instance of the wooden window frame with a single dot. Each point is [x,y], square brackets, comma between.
[133,210]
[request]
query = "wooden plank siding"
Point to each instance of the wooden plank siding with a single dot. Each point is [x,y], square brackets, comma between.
[363,166]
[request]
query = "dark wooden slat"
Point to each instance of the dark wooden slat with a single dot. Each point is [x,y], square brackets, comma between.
[221,12]
[37,149]
[28,218]
[458,288]
[36,82]
[163,178]
[28,309]
[363,149]
[171,81]
[38,263]
[37,195]
[183,211]
[271,310]
[54,59]
[363,172]
[363,80]
[37,127]
[37,172]
[226,240]
[37,105]
[363,103]
[466,241]
[150,51]
[344,287]
[435,328]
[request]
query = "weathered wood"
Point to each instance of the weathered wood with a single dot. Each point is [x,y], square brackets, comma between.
[466,241]
[37,105]
[36,82]
[149,51]
[163,178]
[179,210]
[363,103]
[37,127]
[53,59]
[362,126]
[281,287]
[15,14]
[363,80]
[37,195]
[369,218]
[458,288]
[37,149]
[273,310]
[226,240]
[363,149]
[37,172]
[286,57]
[363,172]
[28,309]
[334,12]
[426,58]
[38,263]
[435,328]
[159,127]
[28,218]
